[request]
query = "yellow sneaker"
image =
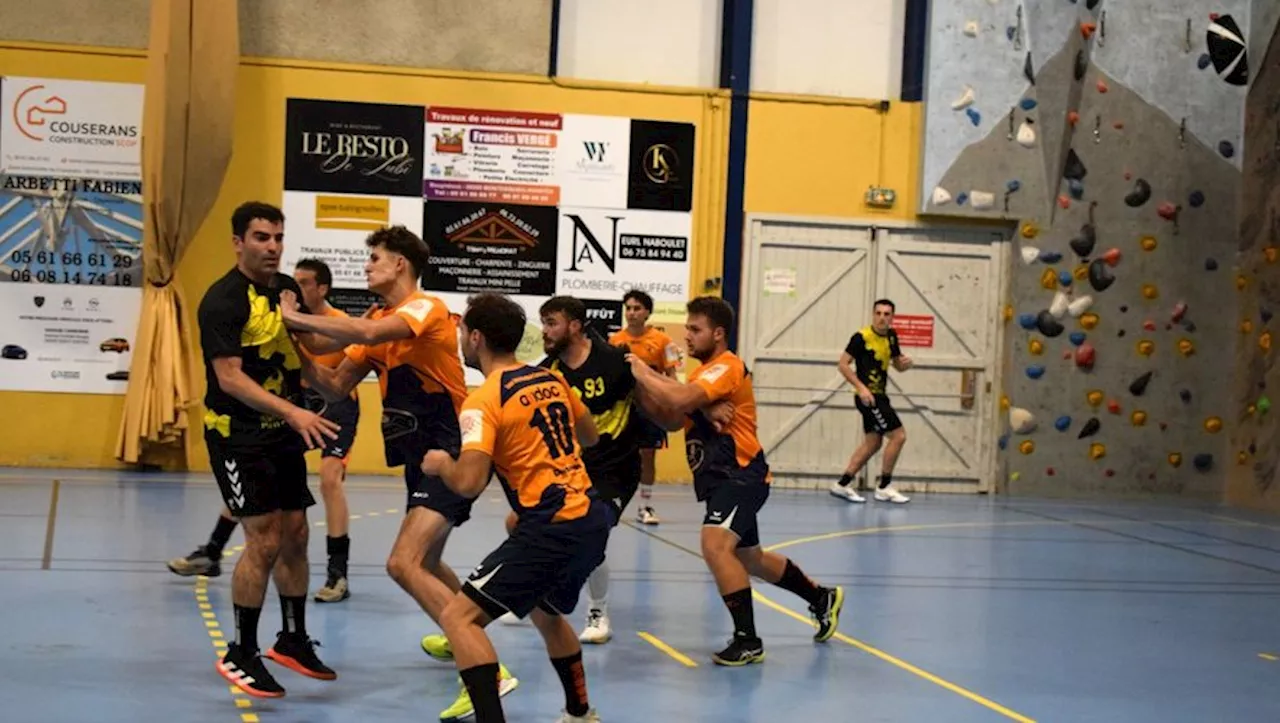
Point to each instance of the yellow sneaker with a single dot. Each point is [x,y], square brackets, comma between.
[462,709]
[437,646]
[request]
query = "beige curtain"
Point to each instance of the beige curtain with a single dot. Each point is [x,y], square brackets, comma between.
[187,127]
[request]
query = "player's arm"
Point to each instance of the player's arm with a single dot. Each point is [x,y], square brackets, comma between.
[584,425]
[856,349]
[317,344]
[671,359]
[666,398]
[337,383]
[468,475]
[900,361]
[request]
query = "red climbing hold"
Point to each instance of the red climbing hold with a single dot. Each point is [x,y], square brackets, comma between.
[1214,16]
[1102,86]
[1167,210]
[1064,201]
[1087,29]
[1050,471]
[1179,310]
[1085,356]
[1149,325]
[1073,118]
[1112,257]
[1110,473]
[1113,406]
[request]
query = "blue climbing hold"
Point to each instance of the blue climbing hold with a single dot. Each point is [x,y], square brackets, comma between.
[1035,371]
[1003,441]
[1196,200]
[1076,188]
[1064,278]
[974,116]
[962,199]
[1027,321]
[1225,148]
[1013,186]
[1204,62]
[1077,338]
[1028,104]
[1050,257]
[1062,423]
[1010,31]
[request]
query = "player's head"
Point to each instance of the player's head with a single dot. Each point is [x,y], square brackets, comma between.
[315,279]
[257,232]
[636,307]
[882,315]
[563,321]
[707,328]
[396,255]
[492,326]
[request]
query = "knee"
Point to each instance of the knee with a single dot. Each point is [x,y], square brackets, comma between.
[718,543]
[331,473]
[400,565]
[265,548]
[898,437]
[460,613]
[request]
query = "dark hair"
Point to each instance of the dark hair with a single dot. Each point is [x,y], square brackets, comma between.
[324,277]
[572,308]
[717,310]
[884,302]
[246,212]
[641,298]
[404,242]
[499,319]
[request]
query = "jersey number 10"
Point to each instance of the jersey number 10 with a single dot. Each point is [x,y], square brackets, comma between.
[556,430]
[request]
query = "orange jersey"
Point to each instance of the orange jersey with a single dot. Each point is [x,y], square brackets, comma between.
[523,418]
[333,358]
[653,347]
[735,453]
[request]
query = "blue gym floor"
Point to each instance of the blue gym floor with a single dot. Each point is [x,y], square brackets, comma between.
[957,609]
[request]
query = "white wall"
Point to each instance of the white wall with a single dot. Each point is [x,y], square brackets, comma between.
[660,42]
[846,48]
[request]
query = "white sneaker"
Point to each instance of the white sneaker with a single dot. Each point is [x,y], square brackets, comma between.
[509,619]
[647,516]
[597,631]
[846,493]
[591,717]
[889,494]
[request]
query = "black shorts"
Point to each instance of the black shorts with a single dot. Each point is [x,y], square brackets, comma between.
[616,488]
[346,414]
[260,480]
[431,492]
[879,418]
[540,566]
[734,507]
[651,434]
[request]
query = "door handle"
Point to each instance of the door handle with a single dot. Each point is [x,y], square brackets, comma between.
[968,388]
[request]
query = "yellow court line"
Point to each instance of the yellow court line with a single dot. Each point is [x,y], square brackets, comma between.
[679,656]
[1268,656]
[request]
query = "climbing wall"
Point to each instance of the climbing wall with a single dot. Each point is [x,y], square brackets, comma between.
[1252,480]
[1110,135]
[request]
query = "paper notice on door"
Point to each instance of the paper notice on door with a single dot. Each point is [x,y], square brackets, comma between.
[779,281]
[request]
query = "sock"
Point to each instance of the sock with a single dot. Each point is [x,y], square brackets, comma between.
[338,547]
[646,492]
[886,479]
[845,479]
[482,683]
[598,588]
[795,581]
[574,680]
[221,535]
[294,610]
[743,612]
[247,628]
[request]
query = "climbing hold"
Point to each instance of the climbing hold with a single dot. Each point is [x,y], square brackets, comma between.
[1140,194]
[1073,117]
[1091,4]
[1124,308]
[1026,134]
[1062,423]
[1139,385]
[1269,253]
[1264,405]
[1049,471]
[1073,169]
[1102,86]
[971,28]
[1081,65]
[964,100]
[1241,457]
[1035,371]
[1081,272]
[1204,61]
[1148,243]
[1112,257]
[1097,451]
[1014,476]
[1113,406]
[974,116]
[1241,282]
[1066,354]
[1265,315]
[1246,327]
[1064,278]
[1004,402]
[1250,409]
[1075,189]
[1028,104]
[1021,421]
[1149,291]
[1264,341]
[1049,279]
[1203,462]
[1030,230]
[960,199]
[1120,333]
[1010,31]
[1210,265]
[1048,325]
[1175,459]
[1089,320]
[1093,397]
[941,196]
[1179,311]
[1186,347]
[1076,338]
[1168,211]
[1090,428]
[1118,125]
[1196,199]
[1050,257]
[1227,50]
[1029,69]
[1079,305]
[1163,426]
[1226,149]
[1100,277]
[1036,347]
[1027,446]
[1027,321]
[1149,325]
[1146,348]
[1060,305]
[1083,244]
[1087,29]
[1213,425]
[1185,396]
[982,200]
[1138,418]
[1064,201]
[1109,472]
[1085,356]
[1013,186]
[1030,254]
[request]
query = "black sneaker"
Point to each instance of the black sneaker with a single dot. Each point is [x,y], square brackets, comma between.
[741,651]
[200,562]
[827,613]
[298,653]
[247,672]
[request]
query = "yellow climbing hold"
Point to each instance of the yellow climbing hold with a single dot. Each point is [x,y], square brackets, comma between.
[1008,313]
[1249,410]
[1213,425]
[1013,476]
[1035,347]
[1242,457]
[1270,254]
[1139,418]
[1186,347]
[1097,450]
[1175,459]
[1004,402]
[1264,341]
[1049,279]
[1080,272]
[1148,243]
[1030,230]
[1146,347]
[1094,397]
[1149,291]
[1089,320]
[1246,327]
[1241,282]
[1027,446]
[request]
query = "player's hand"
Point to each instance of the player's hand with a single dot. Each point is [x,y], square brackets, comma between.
[313,427]
[867,397]
[905,362]
[288,303]
[721,414]
[368,313]
[638,367]
[434,462]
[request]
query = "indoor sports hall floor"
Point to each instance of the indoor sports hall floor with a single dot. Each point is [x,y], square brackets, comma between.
[958,609]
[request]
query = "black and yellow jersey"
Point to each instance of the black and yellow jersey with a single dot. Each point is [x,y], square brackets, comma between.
[241,318]
[872,353]
[605,385]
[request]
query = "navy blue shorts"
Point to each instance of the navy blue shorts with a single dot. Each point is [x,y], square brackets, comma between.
[735,507]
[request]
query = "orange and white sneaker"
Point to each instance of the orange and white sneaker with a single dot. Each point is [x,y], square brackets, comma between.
[247,672]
